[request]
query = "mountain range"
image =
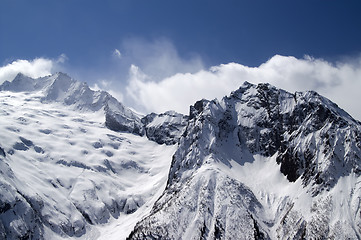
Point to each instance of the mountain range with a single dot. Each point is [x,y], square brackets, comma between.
[261,163]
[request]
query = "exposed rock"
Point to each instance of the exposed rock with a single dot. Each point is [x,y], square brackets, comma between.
[305,133]
[165,128]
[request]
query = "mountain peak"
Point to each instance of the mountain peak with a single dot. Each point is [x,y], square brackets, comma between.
[19,75]
[60,87]
[292,151]
[270,121]
[62,78]
[62,74]
[20,83]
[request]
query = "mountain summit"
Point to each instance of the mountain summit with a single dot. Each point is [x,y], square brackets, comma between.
[261,163]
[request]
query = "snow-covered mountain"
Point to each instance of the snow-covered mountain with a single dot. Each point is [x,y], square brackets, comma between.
[64,171]
[261,163]
[61,88]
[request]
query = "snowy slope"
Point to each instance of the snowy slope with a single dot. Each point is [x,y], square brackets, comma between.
[63,89]
[64,173]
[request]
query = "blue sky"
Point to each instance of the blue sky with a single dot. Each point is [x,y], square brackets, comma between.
[102,42]
[247,32]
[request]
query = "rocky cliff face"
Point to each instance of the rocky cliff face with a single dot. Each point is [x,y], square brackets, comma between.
[165,128]
[302,136]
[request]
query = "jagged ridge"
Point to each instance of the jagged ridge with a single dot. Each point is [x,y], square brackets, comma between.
[315,143]
[161,128]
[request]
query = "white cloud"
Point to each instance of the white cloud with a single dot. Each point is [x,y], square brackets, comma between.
[95,87]
[158,58]
[161,80]
[117,54]
[105,85]
[35,68]
[340,82]
[62,58]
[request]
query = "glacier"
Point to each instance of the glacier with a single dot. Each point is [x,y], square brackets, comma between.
[261,163]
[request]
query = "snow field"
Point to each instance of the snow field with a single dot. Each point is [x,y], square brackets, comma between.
[81,172]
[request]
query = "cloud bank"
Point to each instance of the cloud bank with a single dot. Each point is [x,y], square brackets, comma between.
[175,83]
[158,58]
[35,68]
[340,82]
[38,67]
